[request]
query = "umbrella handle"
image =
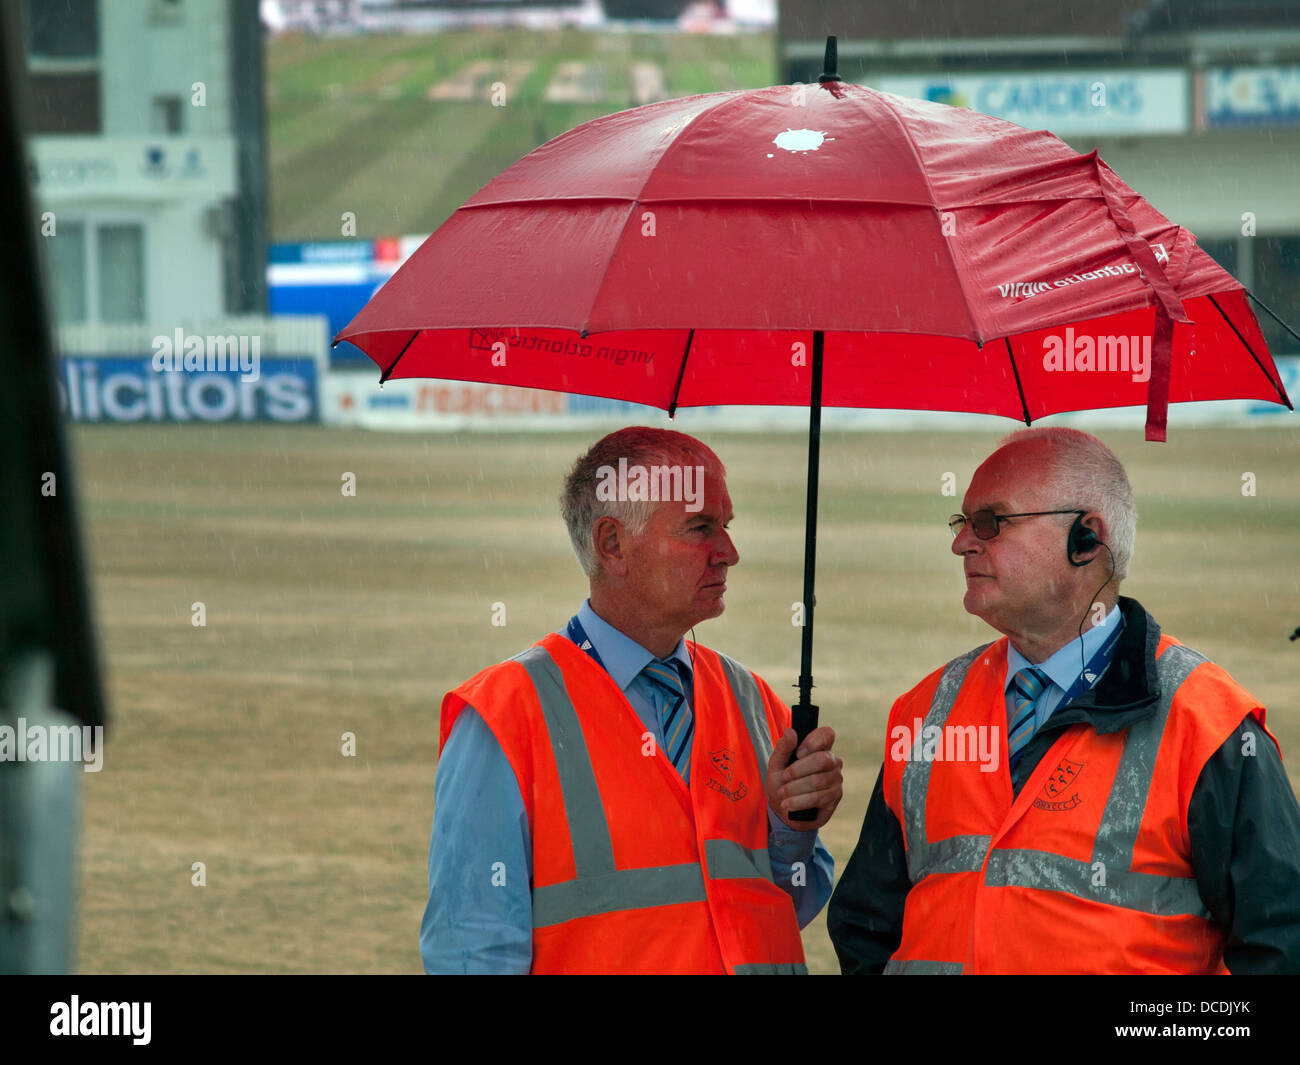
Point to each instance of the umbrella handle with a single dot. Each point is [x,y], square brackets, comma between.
[803,718]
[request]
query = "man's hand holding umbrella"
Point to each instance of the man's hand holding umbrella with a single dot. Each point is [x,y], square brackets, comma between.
[813,782]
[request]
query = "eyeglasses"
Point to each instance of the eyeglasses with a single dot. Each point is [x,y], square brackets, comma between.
[987,524]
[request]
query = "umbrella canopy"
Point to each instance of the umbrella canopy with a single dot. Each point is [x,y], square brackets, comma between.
[824,244]
[682,253]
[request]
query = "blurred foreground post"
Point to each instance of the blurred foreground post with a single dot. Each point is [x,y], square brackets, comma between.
[47,650]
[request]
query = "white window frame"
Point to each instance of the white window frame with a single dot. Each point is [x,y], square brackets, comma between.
[92,221]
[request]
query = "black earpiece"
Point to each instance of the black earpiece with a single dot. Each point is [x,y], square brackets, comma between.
[1081,539]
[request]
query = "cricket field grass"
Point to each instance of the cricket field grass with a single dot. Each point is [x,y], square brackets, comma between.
[326,614]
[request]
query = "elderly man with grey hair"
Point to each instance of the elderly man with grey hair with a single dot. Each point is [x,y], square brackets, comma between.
[617,798]
[1085,795]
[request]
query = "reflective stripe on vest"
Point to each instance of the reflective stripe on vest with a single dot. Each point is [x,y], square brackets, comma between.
[745,689]
[959,854]
[600,887]
[1117,832]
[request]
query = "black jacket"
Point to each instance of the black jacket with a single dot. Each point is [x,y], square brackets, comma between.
[1243,822]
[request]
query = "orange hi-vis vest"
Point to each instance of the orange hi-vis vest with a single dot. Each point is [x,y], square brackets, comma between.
[632,871]
[1088,869]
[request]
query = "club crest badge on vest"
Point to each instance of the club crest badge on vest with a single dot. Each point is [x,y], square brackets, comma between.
[1061,780]
[724,761]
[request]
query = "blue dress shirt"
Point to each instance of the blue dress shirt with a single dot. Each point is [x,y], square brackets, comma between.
[479,915]
[1062,668]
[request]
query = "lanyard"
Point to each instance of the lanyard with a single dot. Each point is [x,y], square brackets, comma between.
[1092,672]
[578,635]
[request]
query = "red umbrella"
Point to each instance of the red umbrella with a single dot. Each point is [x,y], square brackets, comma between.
[710,249]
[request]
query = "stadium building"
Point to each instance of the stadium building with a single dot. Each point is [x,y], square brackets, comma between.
[147,157]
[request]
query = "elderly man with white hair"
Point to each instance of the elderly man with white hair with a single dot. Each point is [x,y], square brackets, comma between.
[1137,818]
[617,798]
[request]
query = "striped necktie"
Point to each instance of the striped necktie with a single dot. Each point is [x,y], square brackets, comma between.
[1027,686]
[675,718]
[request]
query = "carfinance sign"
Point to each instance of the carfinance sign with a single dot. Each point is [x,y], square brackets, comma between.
[1084,102]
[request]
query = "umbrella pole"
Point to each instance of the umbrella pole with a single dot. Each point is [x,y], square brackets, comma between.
[804,713]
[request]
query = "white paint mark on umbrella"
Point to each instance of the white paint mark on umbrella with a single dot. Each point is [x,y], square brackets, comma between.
[801,140]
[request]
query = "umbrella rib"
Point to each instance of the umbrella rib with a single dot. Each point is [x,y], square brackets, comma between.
[389,372]
[1233,325]
[681,372]
[1019,388]
[659,201]
[1271,314]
